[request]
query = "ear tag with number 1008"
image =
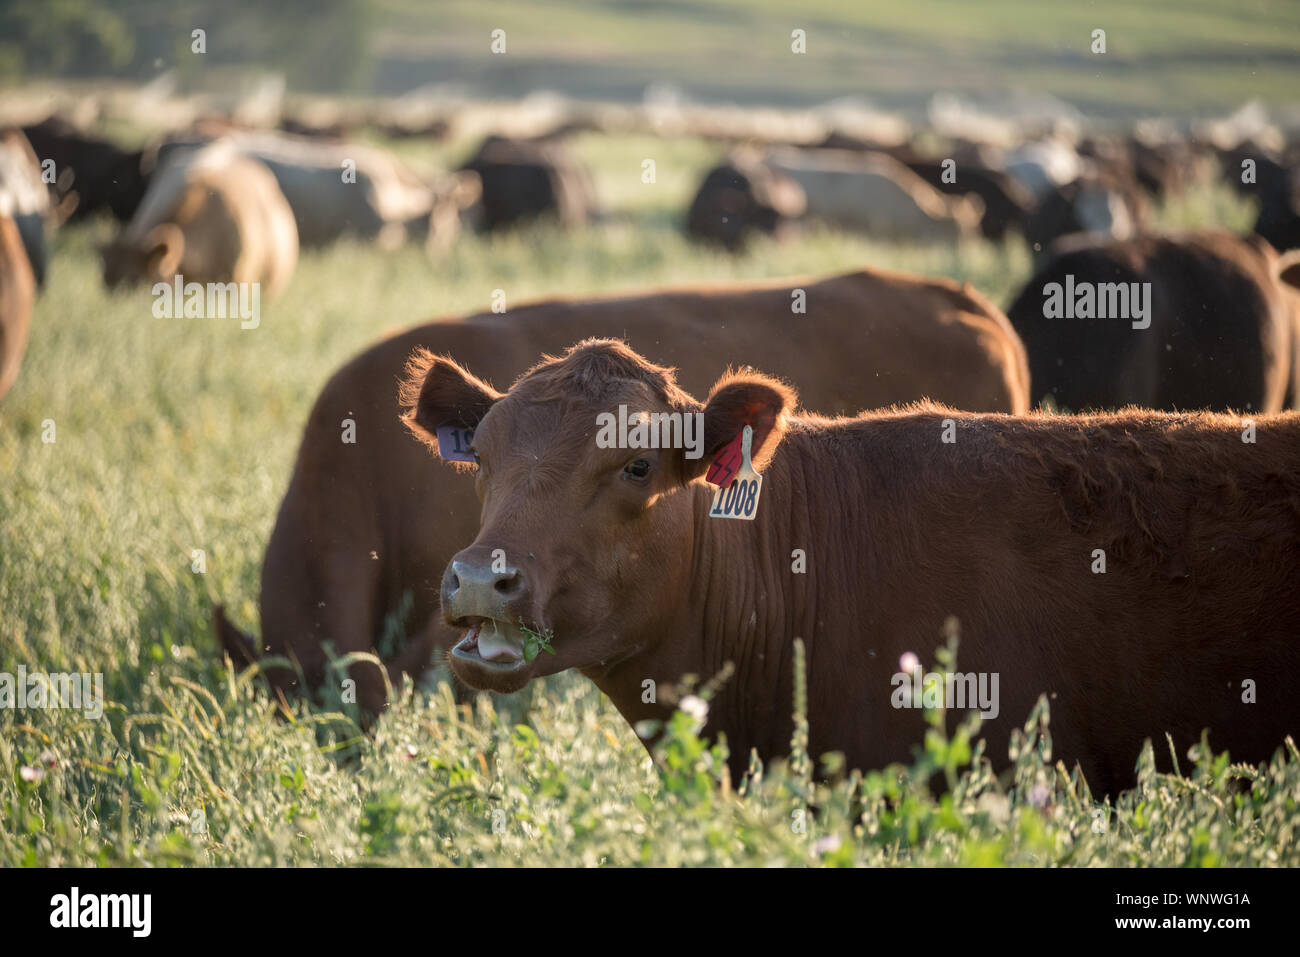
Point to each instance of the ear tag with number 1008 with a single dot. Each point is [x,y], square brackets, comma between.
[454,442]
[739,498]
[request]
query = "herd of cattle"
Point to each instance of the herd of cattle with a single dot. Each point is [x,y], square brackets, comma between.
[957,500]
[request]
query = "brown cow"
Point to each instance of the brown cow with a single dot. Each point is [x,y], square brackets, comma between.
[211,214]
[905,517]
[17,291]
[366,527]
[1204,320]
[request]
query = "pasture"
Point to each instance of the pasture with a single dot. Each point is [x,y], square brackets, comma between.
[173,436]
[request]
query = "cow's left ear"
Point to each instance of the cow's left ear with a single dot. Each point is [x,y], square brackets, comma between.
[738,400]
[436,391]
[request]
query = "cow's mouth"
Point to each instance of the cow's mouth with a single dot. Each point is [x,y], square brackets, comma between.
[488,643]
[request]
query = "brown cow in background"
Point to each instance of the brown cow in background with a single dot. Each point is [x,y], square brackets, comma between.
[17,292]
[364,525]
[211,214]
[906,517]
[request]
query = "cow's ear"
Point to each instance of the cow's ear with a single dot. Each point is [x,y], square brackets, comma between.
[163,249]
[1288,269]
[436,391]
[738,400]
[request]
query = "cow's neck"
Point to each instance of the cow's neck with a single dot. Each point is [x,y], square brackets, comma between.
[750,596]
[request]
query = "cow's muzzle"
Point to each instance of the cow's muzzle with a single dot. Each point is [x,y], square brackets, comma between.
[488,598]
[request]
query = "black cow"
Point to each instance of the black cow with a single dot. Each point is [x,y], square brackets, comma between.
[525,180]
[1008,203]
[91,174]
[1215,328]
[742,197]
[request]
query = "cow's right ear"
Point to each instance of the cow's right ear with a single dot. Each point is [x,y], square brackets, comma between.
[1288,269]
[738,400]
[436,391]
[163,249]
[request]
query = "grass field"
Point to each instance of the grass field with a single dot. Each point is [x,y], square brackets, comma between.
[176,435]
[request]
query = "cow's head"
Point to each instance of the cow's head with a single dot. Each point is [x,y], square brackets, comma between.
[744,196]
[457,202]
[155,258]
[585,546]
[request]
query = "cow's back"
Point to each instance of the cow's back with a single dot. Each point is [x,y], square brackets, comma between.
[265,220]
[859,341]
[874,193]
[1137,568]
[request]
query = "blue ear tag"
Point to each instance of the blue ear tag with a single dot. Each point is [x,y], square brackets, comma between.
[740,498]
[454,443]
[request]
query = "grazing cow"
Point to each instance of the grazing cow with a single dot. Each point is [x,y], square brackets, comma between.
[1278,189]
[24,197]
[90,174]
[1096,193]
[1166,168]
[338,190]
[1044,165]
[1008,203]
[17,291]
[617,558]
[523,180]
[904,152]
[1097,204]
[212,214]
[875,194]
[742,197]
[330,132]
[1201,321]
[367,524]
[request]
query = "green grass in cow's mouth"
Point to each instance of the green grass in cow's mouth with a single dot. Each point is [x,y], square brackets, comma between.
[536,641]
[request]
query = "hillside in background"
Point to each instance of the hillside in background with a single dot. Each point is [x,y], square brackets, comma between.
[1179,58]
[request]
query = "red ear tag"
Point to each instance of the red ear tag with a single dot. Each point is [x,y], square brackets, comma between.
[726,463]
[454,442]
[740,498]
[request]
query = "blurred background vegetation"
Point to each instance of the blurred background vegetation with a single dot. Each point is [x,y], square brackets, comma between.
[1180,58]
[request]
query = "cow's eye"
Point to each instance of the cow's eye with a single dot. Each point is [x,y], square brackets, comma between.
[474,452]
[636,471]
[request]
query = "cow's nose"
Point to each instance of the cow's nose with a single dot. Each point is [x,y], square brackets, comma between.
[482,586]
